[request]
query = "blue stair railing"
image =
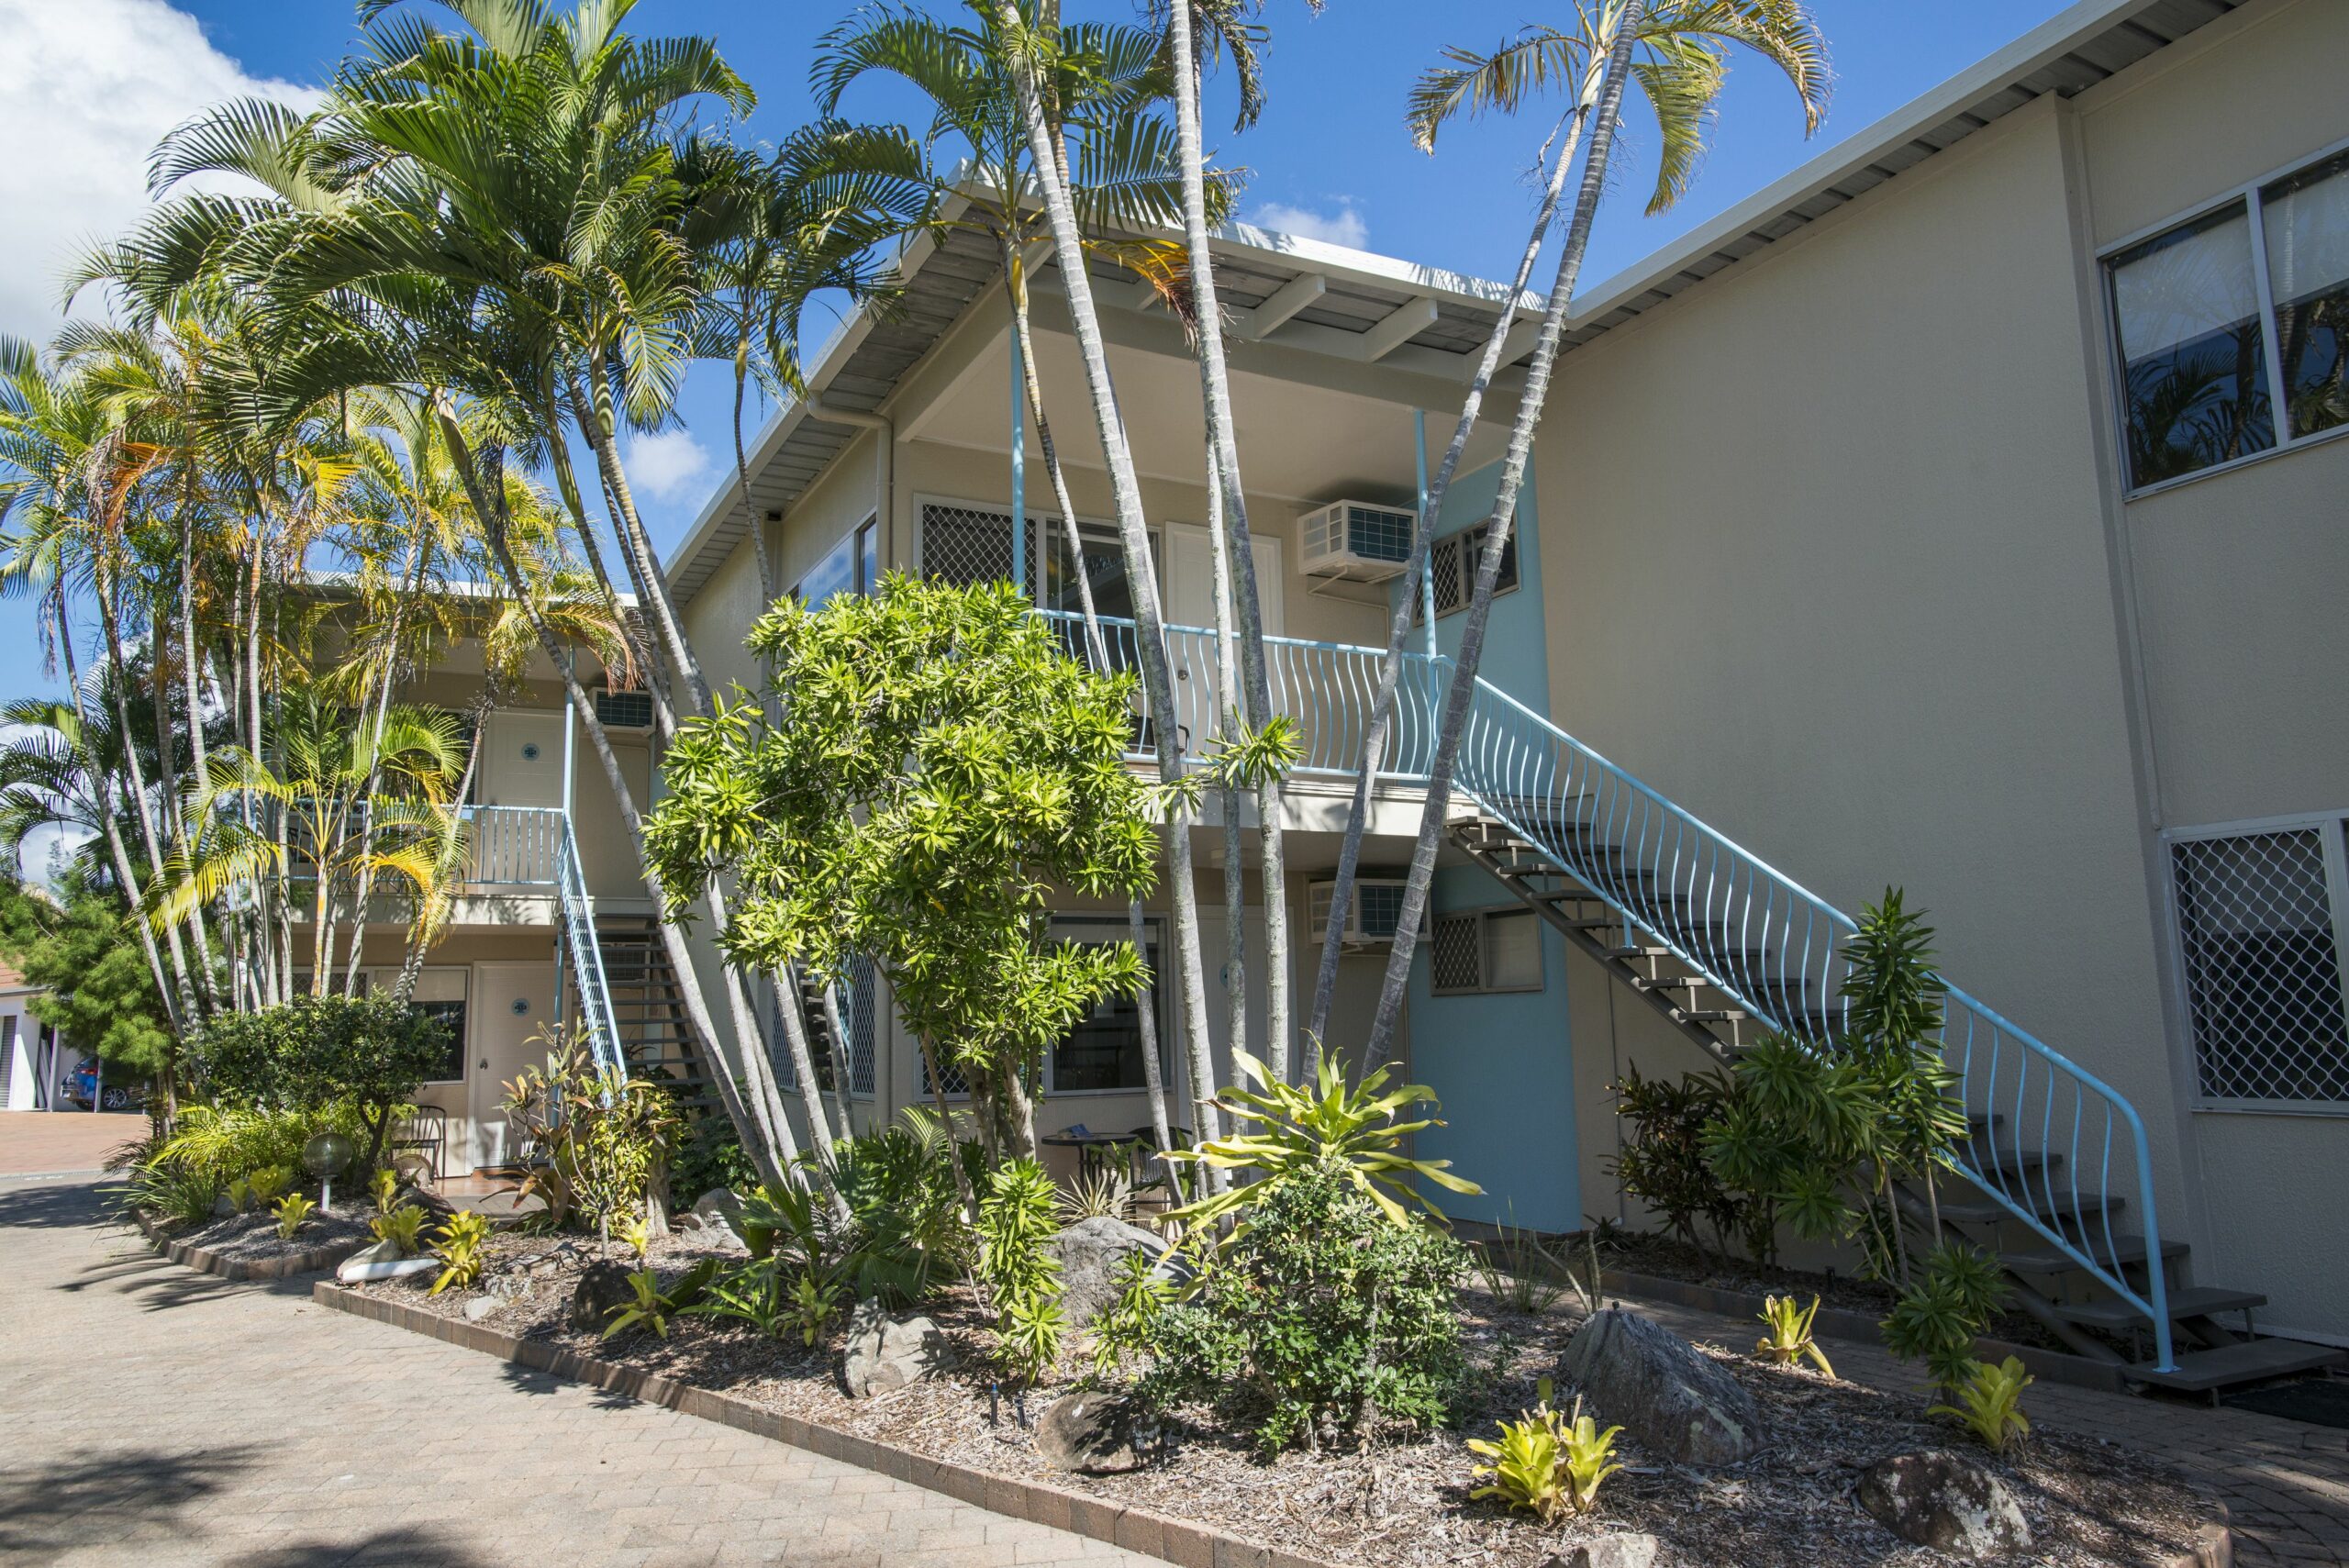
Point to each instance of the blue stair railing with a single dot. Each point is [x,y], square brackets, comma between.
[1754,933]
[578,914]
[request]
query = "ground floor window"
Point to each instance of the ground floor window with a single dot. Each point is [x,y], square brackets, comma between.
[2261,961]
[1101,1053]
[1478,950]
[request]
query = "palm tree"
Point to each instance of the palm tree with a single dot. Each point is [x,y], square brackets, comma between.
[1106,83]
[1678,50]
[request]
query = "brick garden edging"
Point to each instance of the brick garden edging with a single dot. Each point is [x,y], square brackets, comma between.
[1179,1542]
[1843,1323]
[204,1260]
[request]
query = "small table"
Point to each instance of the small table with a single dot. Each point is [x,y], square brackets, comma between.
[1092,1148]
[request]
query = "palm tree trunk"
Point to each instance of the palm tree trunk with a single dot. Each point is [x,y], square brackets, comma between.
[1247,608]
[1153,1083]
[418,555]
[1226,707]
[1152,1076]
[1462,685]
[769,1143]
[1398,631]
[838,1043]
[1133,533]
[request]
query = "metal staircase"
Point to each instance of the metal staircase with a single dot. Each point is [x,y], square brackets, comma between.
[1725,949]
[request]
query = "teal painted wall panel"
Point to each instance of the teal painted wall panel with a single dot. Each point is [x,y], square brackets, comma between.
[1503,1065]
[1517,651]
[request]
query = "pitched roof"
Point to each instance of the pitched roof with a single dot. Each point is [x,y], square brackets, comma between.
[1304,294]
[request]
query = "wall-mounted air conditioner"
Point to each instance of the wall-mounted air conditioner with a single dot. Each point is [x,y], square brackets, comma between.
[1354,540]
[624,711]
[1377,909]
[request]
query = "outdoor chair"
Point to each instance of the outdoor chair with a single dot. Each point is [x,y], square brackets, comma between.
[1147,1176]
[423,1133]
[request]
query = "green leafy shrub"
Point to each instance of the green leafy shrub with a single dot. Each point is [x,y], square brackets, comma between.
[1664,1161]
[228,1142]
[1352,1128]
[1548,1465]
[174,1196]
[307,1055]
[655,1308]
[1019,1220]
[1128,1326]
[463,1248]
[1320,1313]
[294,1211]
[1938,1317]
[240,1195]
[402,1226]
[595,1140]
[1790,1338]
[269,1183]
[1989,1401]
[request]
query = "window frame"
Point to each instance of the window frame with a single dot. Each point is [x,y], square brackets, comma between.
[1165,1003]
[1047,545]
[852,541]
[1484,915]
[2334,826]
[2116,369]
[1464,570]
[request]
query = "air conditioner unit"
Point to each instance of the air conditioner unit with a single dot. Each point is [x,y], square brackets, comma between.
[1377,910]
[624,711]
[1355,541]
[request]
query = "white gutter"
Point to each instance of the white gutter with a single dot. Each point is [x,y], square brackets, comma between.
[885,431]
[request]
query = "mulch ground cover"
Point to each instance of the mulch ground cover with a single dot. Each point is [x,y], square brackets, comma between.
[1403,1502]
[252,1238]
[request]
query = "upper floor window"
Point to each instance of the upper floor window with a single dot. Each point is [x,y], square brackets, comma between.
[1451,569]
[852,566]
[2261,955]
[2232,326]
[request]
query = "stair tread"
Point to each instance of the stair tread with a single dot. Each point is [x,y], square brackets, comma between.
[2125,1249]
[2186,1301]
[2247,1361]
[2046,1205]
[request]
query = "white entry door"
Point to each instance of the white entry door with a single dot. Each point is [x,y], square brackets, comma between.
[1190,601]
[511,1003]
[523,763]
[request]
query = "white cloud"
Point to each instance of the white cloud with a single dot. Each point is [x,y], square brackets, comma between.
[1344,226]
[668,466]
[93,84]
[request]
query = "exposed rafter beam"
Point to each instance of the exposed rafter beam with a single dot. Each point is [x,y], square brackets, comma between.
[1408,321]
[1279,306]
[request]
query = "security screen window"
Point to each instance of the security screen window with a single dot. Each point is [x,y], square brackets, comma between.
[2307,223]
[1103,1050]
[2193,353]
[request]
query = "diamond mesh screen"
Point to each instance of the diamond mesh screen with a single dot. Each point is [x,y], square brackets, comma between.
[1454,960]
[2263,969]
[1443,564]
[861,1016]
[963,545]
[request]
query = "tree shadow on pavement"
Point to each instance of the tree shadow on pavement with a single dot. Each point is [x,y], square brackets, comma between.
[54,1206]
[410,1546]
[92,1496]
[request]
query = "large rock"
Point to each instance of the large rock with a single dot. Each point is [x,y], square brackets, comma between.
[1627,1551]
[1946,1501]
[1096,1434]
[601,1287]
[718,1212]
[1672,1397]
[1091,1251]
[884,1355]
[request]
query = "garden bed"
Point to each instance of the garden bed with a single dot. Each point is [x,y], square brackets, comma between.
[1404,1502]
[247,1246]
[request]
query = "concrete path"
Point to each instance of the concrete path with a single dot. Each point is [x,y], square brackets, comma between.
[35,1143]
[155,1417]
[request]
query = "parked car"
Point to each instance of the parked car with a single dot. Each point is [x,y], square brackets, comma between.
[82,1083]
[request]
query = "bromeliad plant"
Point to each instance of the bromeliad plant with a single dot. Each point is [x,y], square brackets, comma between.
[1352,1127]
[463,1248]
[1548,1465]
[268,1184]
[655,1308]
[1989,1401]
[402,1226]
[1789,1340]
[294,1211]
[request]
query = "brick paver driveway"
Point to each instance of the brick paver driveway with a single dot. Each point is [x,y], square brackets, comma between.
[154,1416]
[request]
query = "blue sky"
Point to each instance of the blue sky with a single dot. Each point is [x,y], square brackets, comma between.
[97,80]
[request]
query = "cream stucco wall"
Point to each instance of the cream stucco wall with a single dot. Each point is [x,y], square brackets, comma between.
[2235,583]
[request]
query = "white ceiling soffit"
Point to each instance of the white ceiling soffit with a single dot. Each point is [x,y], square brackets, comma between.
[1296,293]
